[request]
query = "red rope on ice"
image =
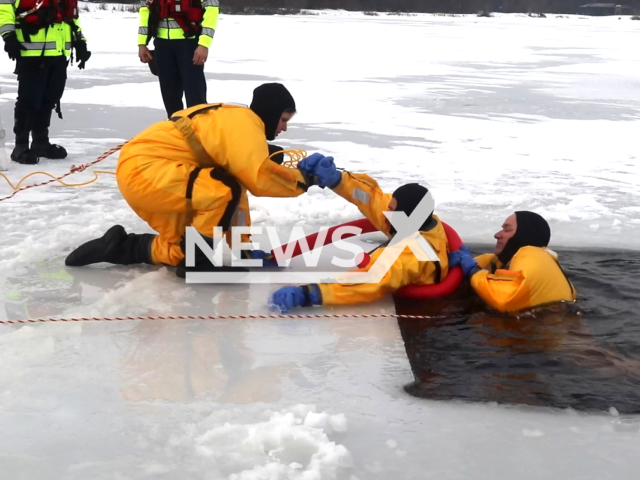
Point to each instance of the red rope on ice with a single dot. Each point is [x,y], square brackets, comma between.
[217,317]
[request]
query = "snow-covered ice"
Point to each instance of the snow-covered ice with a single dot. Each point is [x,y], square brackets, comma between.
[494,114]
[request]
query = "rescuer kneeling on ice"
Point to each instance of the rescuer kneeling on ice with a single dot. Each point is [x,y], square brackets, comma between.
[521,273]
[194,170]
[403,269]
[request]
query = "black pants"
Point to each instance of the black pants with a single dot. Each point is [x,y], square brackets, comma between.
[178,74]
[41,82]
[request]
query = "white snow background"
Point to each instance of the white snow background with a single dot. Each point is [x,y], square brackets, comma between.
[493,114]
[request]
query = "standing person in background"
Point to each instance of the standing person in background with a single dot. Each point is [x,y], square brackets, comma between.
[183,32]
[39,35]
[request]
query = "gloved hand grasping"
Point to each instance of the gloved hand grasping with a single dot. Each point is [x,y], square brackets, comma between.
[290,297]
[464,259]
[307,165]
[327,173]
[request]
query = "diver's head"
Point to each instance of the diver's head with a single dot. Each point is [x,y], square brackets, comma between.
[521,229]
[508,230]
[405,199]
[273,103]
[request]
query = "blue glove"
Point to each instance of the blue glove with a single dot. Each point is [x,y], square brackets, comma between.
[268,260]
[290,297]
[464,259]
[464,249]
[308,165]
[328,175]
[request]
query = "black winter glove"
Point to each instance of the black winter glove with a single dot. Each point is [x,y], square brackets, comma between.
[81,52]
[12,46]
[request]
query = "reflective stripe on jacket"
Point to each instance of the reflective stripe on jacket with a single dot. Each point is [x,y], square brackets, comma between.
[53,41]
[169,29]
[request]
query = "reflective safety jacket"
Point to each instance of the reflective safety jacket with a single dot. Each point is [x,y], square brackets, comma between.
[532,278]
[364,192]
[46,30]
[178,19]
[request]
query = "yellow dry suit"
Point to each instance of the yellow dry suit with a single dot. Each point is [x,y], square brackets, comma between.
[364,192]
[532,278]
[195,170]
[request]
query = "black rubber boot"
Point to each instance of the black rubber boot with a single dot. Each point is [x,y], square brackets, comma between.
[40,133]
[22,123]
[22,154]
[22,129]
[204,264]
[49,150]
[116,247]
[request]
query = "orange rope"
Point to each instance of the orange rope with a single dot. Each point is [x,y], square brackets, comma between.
[74,169]
[295,156]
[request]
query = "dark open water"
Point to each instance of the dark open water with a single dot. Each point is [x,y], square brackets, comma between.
[585,355]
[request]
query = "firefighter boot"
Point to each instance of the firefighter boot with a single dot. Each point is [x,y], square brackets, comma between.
[116,247]
[21,127]
[22,154]
[40,133]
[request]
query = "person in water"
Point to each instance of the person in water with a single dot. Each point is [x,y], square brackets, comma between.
[364,192]
[522,272]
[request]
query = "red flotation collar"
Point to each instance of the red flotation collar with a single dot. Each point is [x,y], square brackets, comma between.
[446,287]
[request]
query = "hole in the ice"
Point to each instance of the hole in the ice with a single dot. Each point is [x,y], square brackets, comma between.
[585,356]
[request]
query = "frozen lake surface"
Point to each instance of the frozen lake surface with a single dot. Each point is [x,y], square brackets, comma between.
[493,114]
